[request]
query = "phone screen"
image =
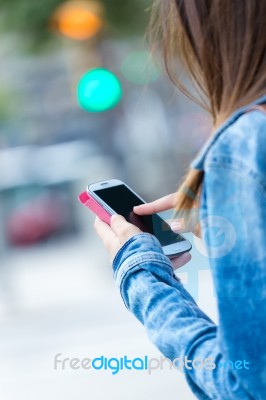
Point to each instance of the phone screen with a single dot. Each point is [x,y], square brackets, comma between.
[122,201]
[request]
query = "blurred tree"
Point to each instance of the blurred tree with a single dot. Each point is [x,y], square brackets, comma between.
[32,17]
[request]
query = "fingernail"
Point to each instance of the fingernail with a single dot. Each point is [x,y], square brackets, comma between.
[176,226]
[114,216]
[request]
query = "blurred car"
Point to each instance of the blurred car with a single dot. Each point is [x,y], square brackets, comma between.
[36,220]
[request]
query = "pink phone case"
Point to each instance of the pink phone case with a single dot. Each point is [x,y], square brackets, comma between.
[95,207]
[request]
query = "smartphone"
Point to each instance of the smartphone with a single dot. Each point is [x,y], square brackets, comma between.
[115,197]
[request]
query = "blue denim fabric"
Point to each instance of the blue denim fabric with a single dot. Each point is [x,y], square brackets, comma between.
[233,200]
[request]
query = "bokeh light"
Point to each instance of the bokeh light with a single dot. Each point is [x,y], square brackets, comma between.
[139,68]
[79,20]
[99,90]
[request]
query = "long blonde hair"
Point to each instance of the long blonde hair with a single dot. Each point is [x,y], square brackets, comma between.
[222,47]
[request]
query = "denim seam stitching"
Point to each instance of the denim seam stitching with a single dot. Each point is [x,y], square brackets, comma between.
[129,241]
[137,261]
[249,174]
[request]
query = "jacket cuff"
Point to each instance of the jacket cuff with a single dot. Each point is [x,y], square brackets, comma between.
[141,250]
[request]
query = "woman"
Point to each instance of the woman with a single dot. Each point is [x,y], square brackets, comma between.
[222,45]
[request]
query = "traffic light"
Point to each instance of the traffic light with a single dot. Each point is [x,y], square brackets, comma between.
[99,90]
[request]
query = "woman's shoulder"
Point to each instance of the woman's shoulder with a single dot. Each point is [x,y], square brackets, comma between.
[242,131]
[242,143]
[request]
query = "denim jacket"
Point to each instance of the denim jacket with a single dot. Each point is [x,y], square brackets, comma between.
[233,198]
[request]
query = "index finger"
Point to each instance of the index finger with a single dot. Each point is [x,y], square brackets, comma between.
[162,204]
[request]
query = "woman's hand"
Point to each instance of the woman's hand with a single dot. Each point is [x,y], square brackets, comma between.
[115,235]
[177,226]
[162,204]
[119,231]
[165,203]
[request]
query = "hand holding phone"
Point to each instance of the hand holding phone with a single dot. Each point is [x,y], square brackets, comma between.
[115,197]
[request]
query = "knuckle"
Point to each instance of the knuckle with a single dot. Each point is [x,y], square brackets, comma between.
[123,230]
[115,221]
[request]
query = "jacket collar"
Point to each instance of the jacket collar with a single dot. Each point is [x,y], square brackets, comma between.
[198,162]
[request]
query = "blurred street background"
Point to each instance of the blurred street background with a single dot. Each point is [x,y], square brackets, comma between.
[81,100]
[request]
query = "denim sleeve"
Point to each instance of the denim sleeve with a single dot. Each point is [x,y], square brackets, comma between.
[173,321]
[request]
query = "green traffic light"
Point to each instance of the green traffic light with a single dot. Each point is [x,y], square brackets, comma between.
[99,90]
